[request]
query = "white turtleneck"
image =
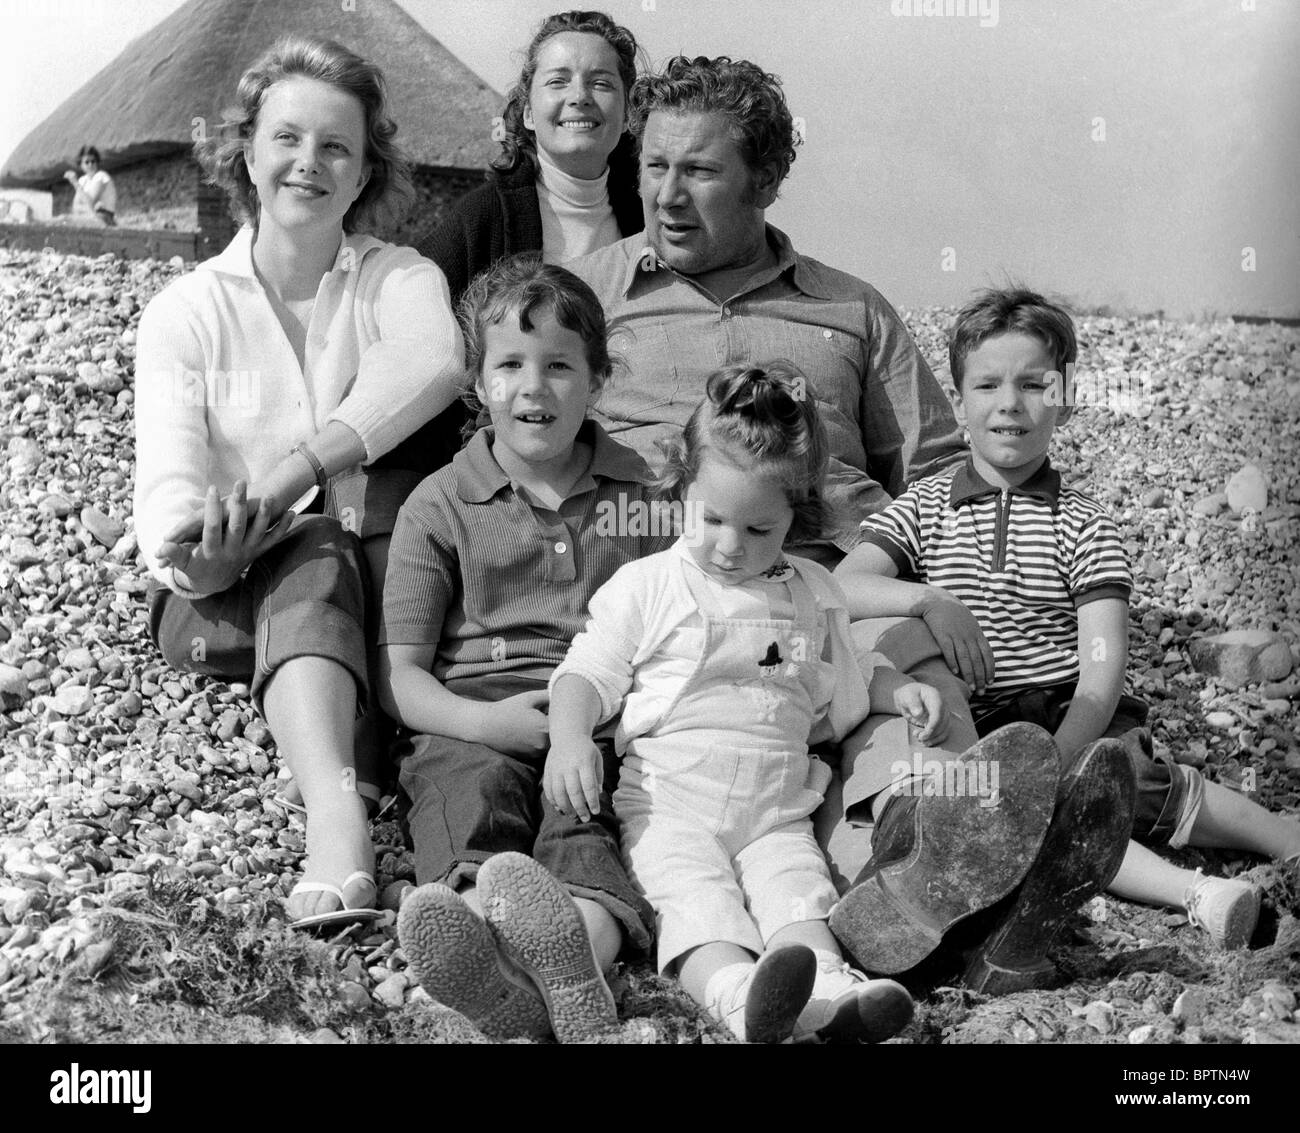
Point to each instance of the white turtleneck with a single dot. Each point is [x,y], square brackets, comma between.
[576,215]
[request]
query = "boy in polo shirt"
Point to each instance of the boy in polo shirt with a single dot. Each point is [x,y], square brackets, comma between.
[1024,584]
[493,561]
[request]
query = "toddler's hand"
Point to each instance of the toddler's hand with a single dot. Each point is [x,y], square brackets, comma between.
[573,777]
[922,707]
[516,725]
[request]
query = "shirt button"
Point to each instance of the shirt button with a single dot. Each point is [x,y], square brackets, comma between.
[560,548]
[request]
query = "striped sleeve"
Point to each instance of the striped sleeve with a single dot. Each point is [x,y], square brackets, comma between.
[1099,567]
[897,531]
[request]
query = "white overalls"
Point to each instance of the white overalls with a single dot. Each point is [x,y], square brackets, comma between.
[715,796]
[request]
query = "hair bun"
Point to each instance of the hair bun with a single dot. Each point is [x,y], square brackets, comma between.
[764,394]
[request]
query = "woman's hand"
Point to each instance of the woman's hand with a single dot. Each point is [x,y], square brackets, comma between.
[573,777]
[191,530]
[215,562]
[70,177]
[922,707]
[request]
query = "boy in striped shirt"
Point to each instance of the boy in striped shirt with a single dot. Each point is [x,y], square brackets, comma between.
[1024,584]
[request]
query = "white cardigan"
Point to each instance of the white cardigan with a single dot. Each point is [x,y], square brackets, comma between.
[219,394]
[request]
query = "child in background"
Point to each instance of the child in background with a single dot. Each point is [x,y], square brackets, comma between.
[493,561]
[1025,585]
[727,658]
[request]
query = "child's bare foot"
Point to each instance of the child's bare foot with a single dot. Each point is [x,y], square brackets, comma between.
[339,870]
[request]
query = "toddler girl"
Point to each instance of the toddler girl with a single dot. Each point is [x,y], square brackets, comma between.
[728,658]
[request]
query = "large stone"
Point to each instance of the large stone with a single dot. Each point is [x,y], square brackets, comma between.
[1247,490]
[73,700]
[12,682]
[1242,656]
[24,553]
[104,528]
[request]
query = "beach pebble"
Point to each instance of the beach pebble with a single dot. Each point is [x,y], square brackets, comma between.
[1100,1016]
[73,700]
[105,529]
[1247,490]
[354,996]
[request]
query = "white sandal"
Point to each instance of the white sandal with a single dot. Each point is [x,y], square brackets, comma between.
[344,915]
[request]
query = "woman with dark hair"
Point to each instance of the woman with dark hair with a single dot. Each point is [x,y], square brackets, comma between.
[94,194]
[265,379]
[565,181]
[564,184]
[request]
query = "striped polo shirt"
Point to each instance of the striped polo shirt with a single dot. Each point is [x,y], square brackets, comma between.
[1022,560]
[501,583]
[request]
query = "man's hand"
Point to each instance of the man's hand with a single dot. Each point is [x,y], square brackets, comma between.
[215,562]
[573,777]
[958,633]
[517,725]
[922,707]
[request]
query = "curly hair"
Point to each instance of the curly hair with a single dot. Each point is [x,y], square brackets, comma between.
[520,287]
[518,143]
[762,419]
[750,98]
[1011,310]
[222,154]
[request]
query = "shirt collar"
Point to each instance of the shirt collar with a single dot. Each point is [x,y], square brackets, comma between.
[479,477]
[644,261]
[967,484]
[237,257]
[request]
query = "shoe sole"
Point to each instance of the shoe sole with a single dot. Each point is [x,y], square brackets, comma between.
[1240,922]
[877,1012]
[537,925]
[965,857]
[1083,850]
[778,991]
[452,954]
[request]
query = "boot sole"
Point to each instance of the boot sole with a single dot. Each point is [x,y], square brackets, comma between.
[1081,854]
[965,857]
[537,925]
[779,989]
[453,955]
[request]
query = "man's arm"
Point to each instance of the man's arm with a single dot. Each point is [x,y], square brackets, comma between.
[908,427]
[1103,656]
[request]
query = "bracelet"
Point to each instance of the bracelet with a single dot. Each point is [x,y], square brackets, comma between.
[316,466]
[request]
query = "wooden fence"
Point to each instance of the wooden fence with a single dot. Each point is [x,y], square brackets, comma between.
[129,243]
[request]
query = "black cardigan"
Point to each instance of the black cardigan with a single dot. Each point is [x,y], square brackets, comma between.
[496,220]
[502,217]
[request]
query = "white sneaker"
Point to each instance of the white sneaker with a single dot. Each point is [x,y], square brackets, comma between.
[845,1006]
[760,1003]
[1227,909]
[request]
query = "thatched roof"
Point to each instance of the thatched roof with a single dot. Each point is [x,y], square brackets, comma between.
[143,103]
